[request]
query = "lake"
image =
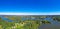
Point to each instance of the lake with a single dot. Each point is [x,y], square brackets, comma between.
[53,25]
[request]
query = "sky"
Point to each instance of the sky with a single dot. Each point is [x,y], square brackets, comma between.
[30,6]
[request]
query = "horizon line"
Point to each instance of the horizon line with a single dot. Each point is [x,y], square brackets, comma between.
[4,13]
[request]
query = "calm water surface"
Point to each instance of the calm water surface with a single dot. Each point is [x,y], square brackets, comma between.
[53,25]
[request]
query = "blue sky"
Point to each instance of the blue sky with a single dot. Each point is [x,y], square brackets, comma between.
[38,6]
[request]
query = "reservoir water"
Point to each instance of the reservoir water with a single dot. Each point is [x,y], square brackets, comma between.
[53,25]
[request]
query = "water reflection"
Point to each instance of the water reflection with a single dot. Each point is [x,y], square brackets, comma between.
[53,25]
